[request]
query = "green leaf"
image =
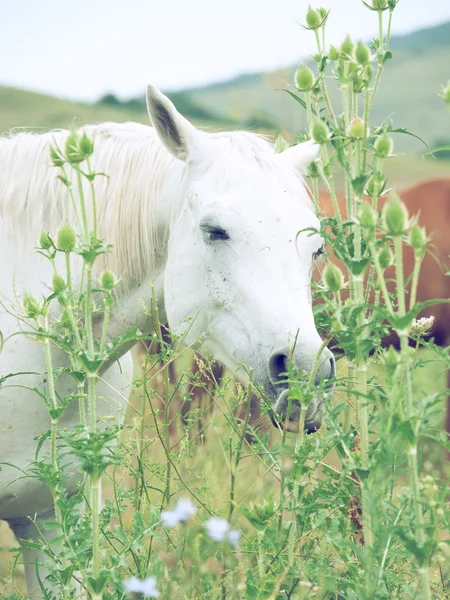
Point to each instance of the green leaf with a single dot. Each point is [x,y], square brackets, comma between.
[406,132]
[99,583]
[359,183]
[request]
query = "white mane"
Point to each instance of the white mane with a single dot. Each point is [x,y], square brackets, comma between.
[137,166]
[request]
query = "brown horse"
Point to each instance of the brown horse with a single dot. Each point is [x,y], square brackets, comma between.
[431,201]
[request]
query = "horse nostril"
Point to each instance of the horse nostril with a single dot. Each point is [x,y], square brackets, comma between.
[278,367]
[332,373]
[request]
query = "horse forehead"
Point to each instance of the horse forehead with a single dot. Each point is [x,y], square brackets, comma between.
[264,207]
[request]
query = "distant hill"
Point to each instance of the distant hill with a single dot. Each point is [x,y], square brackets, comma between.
[409,91]
[408,94]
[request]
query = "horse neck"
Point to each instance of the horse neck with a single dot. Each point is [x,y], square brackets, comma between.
[136,205]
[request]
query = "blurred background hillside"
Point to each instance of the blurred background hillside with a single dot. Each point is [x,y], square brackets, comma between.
[256,100]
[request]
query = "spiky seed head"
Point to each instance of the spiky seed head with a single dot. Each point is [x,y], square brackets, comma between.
[58,284]
[280,144]
[108,280]
[320,132]
[395,216]
[356,129]
[347,46]
[313,171]
[445,93]
[367,216]
[418,238]
[56,157]
[63,299]
[385,257]
[85,145]
[31,306]
[72,150]
[313,18]
[66,238]
[379,4]
[362,53]
[333,278]
[383,146]
[304,79]
[391,359]
[333,53]
[44,241]
[64,319]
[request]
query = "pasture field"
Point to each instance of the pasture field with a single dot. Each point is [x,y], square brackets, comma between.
[201,456]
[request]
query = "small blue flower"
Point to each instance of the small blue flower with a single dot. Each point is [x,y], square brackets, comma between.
[184,510]
[146,587]
[219,530]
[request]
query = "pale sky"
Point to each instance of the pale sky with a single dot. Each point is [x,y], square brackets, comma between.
[81,49]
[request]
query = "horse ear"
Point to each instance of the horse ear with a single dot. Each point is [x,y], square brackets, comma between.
[301,155]
[176,133]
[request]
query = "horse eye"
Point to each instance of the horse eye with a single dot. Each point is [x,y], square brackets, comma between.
[318,252]
[215,234]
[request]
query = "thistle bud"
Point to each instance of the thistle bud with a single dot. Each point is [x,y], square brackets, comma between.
[64,319]
[85,145]
[320,132]
[385,257]
[56,157]
[367,216]
[395,216]
[280,144]
[108,280]
[347,46]
[31,306]
[58,284]
[445,93]
[333,278]
[304,79]
[391,359]
[44,241]
[356,129]
[323,12]
[367,76]
[333,53]
[374,185]
[313,171]
[379,4]
[313,19]
[362,53]
[66,238]
[73,154]
[383,146]
[63,299]
[418,238]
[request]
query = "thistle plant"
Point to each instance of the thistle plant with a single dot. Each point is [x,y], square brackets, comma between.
[368,238]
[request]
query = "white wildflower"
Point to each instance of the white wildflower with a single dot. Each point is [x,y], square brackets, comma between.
[146,587]
[170,518]
[183,511]
[233,537]
[219,530]
[421,327]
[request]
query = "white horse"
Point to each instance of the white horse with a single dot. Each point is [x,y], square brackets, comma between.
[210,222]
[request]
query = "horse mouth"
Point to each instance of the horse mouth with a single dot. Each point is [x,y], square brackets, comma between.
[291,422]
